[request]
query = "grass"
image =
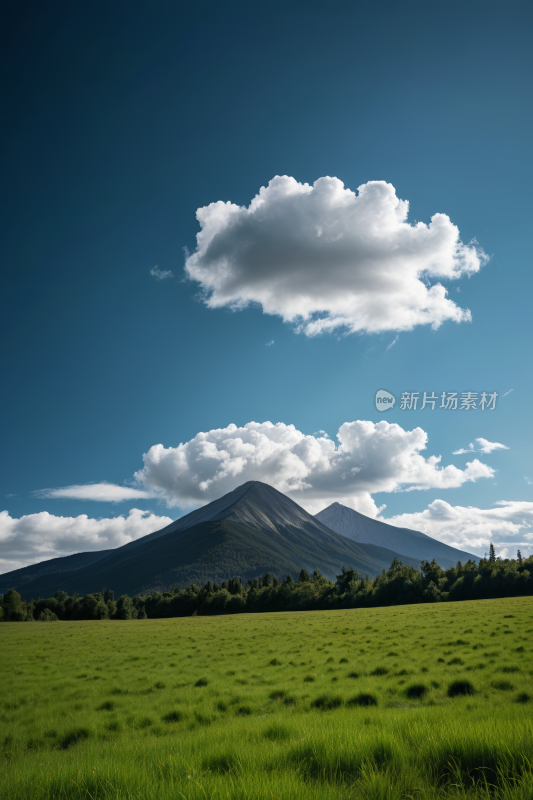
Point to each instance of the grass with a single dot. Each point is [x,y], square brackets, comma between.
[289,706]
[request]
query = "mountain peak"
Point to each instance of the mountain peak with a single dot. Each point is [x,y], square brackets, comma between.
[254,504]
[252,530]
[366,530]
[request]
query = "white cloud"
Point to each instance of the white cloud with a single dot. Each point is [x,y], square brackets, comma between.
[487,447]
[325,257]
[270,343]
[161,274]
[102,492]
[370,457]
[483,446]
[37,537]
[508,524]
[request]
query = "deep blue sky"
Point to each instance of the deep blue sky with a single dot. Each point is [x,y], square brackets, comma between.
[121,119]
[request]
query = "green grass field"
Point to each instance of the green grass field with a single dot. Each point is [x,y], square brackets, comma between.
[325,704]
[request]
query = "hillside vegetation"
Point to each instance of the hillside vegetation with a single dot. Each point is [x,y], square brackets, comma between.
[400,584]
[406,702]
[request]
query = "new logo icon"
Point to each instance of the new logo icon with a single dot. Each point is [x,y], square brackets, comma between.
[384,400]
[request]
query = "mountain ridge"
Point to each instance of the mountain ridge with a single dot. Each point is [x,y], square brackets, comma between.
[415,544]
[254,518]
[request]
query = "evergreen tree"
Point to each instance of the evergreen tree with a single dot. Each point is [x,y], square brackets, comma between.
[431,572]
[304,576]
[492,553]
[347,577]
[318,578]
[519,557]
[235,586]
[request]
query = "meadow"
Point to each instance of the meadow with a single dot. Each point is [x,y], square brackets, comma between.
[417,701]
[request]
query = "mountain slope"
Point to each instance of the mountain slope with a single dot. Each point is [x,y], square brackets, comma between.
[253,530]
[358,528]
[254,504]
[18,577]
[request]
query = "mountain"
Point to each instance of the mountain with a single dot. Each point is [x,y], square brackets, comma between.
[54,566]
[365,530]
[250,531]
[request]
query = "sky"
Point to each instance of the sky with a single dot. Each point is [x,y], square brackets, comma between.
[226,227]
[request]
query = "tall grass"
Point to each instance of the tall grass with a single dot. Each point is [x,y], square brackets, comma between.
[195,708]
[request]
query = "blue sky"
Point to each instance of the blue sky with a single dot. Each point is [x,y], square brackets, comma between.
[122,121]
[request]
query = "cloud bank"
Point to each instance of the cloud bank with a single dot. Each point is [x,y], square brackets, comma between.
[314,470]
[509,525]
[37,537]
[311,469]
[325,257]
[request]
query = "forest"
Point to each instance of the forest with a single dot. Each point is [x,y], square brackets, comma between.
[491,577]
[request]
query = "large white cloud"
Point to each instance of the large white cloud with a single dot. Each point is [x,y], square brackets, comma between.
[326,257]
[37,537]
[102,492]
[370,457]
[509,524]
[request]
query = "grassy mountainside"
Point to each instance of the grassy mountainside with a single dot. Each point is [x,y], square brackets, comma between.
[217,551]
[410,702]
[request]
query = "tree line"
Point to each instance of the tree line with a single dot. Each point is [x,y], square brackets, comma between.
[401,584]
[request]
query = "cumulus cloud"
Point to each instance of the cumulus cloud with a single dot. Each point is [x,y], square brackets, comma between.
[483,446]
[161,274]
[312,470]
[509,525]
[37,537]
[325,257]
[102,492]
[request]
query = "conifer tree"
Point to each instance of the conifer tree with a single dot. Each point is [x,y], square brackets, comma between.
[519,557]
[492,553]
